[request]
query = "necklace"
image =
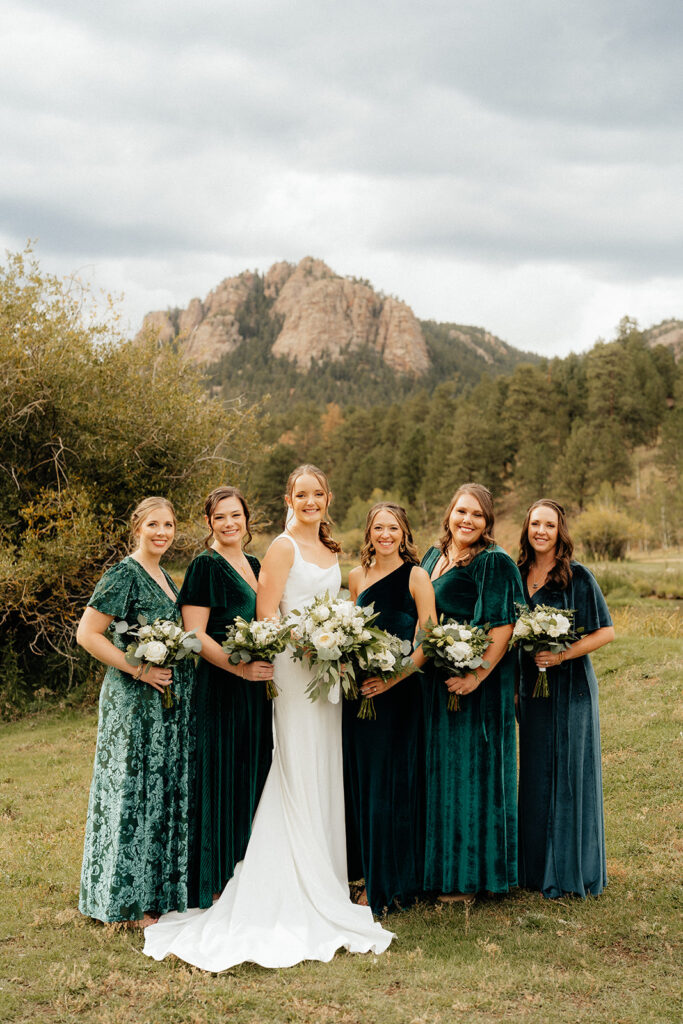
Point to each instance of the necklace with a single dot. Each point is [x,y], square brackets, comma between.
[540,581]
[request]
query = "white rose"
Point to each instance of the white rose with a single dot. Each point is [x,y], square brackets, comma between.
[386,661]
[537,626]
[465,634]
[563,623]
[366,635]
[144,632]
[168,629]
[459,651]
[521,628]
[155,652]
[326,643]
[321,614]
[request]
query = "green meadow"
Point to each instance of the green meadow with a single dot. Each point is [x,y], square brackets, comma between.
[616,959]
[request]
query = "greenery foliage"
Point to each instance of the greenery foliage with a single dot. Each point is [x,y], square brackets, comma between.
[89,424]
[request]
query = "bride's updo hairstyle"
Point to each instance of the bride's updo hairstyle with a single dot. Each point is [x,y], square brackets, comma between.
[324,528]
[561,572]
[140,513]
[216,496]
[485,499]
[407,549]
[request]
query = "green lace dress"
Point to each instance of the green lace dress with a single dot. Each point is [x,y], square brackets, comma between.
[234,731]
[471,785]
[136,856]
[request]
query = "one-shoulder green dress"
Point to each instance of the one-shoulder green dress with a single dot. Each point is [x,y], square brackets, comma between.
[233,727]
[384,767]
[138,834]
[471,802]
[561,819]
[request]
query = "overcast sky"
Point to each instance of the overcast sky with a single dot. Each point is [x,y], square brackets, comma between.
[514,165]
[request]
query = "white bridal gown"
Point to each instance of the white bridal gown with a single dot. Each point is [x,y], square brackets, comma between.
[289,898]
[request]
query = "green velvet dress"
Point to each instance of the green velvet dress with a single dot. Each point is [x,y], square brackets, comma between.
[471,803]
[138,833]
[561,820]
[234,731]
[383,767]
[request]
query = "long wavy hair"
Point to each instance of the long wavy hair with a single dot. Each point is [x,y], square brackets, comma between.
[324,528]
[211,503]
[407,549]
[561,572]
[485,499]
[140,513]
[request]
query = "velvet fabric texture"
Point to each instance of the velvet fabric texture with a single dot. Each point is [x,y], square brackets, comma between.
[233,729]
[138,834]
[561,819]
[471,774]
[383,767]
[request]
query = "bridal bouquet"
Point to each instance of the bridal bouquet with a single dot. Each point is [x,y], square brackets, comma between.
[162,643]
[543,628]
[456,647]
[328,633]
[383,655]
[258,640]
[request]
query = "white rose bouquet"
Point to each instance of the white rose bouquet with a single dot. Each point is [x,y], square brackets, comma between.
[383,655]
[455,647]
[258,640]
[543,628]
[162,643]
[328,633]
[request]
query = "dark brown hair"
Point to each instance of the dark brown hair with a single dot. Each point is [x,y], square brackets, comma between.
[561,572]
[407,549]
[140,513]
[324,528]
[216,496]
[485,499]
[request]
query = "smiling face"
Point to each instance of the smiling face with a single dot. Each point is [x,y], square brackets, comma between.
[467,521]
[228,523]
[543,529]
[386,534]
[308,499]
[156,531]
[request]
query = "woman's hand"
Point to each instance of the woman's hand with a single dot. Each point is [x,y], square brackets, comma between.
[256,671]
[157,677]
[546,659]
[462,685]
[374,686]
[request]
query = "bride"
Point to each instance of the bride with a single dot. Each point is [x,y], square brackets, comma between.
[288,900]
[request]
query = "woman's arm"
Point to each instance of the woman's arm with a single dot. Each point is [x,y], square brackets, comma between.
[355,577]
[90,636]
[585,645]
[272,578]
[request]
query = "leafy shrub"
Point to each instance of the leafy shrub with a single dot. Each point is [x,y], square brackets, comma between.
[605,532]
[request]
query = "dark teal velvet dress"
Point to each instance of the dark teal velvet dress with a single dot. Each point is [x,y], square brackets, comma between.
[561,819]
[233,727]
[471,773]
[383,767]
[138,834]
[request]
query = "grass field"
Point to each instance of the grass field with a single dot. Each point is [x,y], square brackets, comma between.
[616,959]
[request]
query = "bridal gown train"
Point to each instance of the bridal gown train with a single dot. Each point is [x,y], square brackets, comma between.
[288,900]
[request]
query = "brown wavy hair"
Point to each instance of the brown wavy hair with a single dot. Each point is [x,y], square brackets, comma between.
[485,499]
[324,528]
[216,496]
[561,572]
[140,513]
[407,549]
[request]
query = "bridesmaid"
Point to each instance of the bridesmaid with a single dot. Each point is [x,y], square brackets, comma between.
[471,758]
[136,855]
[561,821]
[233,714]
[383,757]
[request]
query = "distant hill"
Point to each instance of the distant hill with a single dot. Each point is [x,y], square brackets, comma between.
[668,333]
[302,332]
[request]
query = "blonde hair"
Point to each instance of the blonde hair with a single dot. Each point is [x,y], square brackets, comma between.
[407,549]
[324,528]
[485,499]
[140,513]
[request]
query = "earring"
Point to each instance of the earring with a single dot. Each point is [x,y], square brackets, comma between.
[402,547]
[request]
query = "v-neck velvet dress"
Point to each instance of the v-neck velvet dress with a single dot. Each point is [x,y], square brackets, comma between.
[384,767]
[561,819]
[471,774]
[138,834]
[233,728]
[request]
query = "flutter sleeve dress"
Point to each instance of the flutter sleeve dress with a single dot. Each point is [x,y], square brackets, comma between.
[471,764]
[138,833]
[561,819]
[233,727]
[384,767]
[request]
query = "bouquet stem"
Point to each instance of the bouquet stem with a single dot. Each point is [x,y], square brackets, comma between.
[367,708]
[271,689]
[453,702]
[541,687]
[167,697]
